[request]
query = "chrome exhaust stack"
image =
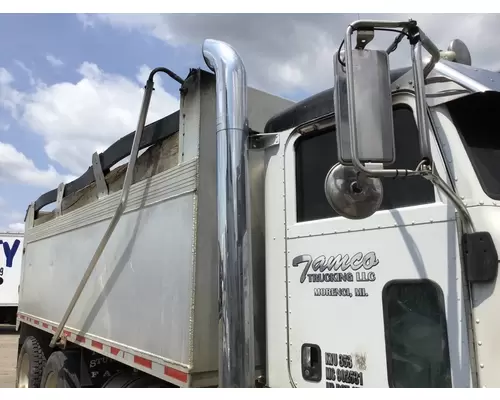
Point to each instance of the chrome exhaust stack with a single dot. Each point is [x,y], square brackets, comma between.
[236,326]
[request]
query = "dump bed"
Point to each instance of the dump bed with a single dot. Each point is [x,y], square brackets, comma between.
[152,300]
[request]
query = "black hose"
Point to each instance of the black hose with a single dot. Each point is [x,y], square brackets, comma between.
[398,39]
[173,75]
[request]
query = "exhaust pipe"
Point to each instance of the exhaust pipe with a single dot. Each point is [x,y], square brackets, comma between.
[236,326]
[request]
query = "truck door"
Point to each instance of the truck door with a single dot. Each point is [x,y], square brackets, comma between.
[375,302]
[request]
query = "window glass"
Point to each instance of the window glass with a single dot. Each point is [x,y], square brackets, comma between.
[416,335]
[476,119]
[317,153]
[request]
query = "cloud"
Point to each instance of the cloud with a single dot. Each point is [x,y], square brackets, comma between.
[86,20]
[16,167]
[289,52]
[16,227]
[54,61]
[28,71]
[10,98]
[76,119]
[10,218]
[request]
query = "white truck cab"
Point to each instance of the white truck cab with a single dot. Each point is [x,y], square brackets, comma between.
[346,241]
[388,285]
[386,300]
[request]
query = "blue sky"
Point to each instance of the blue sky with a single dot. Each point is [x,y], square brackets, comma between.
[72,84]
[66,39]
[45,51]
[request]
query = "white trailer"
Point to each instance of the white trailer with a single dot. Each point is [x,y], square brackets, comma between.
[11,253]
[348,240]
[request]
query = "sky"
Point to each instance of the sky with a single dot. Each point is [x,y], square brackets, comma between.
[71,84]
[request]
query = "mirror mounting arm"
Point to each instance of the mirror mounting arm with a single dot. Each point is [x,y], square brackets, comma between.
[418,76]
[360,179]
[417,39]
[364,37]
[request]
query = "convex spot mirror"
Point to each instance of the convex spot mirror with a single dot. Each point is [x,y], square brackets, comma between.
[352,195]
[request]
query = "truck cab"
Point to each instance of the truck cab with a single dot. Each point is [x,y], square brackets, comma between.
[396,299]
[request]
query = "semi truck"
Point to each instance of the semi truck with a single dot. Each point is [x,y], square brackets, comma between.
[348,240]
[10,275]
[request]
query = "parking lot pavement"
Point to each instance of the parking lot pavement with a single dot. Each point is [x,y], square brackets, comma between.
[8,355]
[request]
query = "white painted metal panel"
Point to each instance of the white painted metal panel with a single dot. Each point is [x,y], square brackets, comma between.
[276,289]
[485,213]
[11,253]
[486,300]
[417,242]
[354,324]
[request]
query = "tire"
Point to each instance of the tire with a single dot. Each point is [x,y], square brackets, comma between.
[62,370]
[148,382]
[131,380]
[30,364]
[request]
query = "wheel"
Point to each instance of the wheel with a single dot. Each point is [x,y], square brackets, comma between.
[148,382]
[130,380]
[62,370]
[30,364]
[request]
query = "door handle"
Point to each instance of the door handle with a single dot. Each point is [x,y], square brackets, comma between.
[311,362]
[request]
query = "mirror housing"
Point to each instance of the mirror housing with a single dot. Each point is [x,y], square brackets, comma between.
[363,99]
[374,134]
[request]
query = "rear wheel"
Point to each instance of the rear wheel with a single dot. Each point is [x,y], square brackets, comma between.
[30,364]
[62,370]
[133,380]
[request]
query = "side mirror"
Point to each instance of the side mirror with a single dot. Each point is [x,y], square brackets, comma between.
[364,116]
[371,113]
[362,97]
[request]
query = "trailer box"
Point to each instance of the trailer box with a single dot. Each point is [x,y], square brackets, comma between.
[11,255]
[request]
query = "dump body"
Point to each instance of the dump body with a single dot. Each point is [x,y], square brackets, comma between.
[152,301]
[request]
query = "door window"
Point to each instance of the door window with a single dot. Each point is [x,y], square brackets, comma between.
[476,119]
[416,335]
[317,153]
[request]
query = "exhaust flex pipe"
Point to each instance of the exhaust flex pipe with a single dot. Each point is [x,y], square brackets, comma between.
[236,326]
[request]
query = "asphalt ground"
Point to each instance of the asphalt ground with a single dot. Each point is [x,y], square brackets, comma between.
[8,355]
